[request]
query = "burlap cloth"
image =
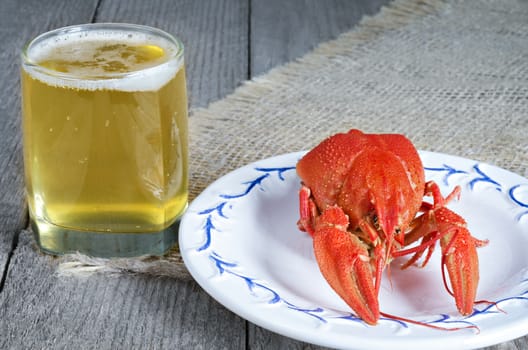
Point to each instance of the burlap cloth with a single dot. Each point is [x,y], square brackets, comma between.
[451,75]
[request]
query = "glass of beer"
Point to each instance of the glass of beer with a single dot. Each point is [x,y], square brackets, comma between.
[104,109]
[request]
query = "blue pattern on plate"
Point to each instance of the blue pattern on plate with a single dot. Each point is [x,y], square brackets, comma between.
[483,178]
[450,171]
[517,201]
[224,266]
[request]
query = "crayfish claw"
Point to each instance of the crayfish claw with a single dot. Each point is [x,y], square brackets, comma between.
[345,264]
[460,259]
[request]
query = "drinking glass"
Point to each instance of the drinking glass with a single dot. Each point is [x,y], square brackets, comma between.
[104,118]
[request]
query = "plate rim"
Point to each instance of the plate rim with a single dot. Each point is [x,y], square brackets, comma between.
[489,338]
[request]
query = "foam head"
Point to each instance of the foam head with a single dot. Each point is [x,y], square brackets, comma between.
[104,58]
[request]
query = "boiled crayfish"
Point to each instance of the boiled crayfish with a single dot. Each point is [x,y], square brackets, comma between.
[361,200]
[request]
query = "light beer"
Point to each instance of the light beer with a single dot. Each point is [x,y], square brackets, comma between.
[105,138]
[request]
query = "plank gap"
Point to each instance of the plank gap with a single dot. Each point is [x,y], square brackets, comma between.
[96,12]
[249,15]
[247,342]
[24,225]
[14,245]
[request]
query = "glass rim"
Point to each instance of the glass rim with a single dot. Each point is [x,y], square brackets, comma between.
[29,63]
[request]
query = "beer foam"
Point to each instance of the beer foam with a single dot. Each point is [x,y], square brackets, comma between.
[145,79]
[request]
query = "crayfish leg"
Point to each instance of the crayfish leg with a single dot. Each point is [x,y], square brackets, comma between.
[422,227]
[307,210]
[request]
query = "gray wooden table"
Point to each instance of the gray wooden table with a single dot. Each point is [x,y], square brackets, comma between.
[227,42]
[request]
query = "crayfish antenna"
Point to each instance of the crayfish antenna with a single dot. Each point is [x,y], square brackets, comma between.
[488,302]
[429,325]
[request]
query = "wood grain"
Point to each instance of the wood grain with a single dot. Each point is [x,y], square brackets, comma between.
[20,22]
[41,310]
[227,42]
[282,31]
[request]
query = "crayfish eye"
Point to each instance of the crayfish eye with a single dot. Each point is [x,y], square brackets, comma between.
[375,222]
[398,230]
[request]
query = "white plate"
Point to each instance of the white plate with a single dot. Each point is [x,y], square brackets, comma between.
[240,242]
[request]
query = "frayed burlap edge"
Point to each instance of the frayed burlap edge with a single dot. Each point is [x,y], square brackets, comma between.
[170,265]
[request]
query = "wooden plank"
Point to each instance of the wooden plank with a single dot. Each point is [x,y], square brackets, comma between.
[260,338]
[41,310]
[214,33]
[19,23]
[282,31]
